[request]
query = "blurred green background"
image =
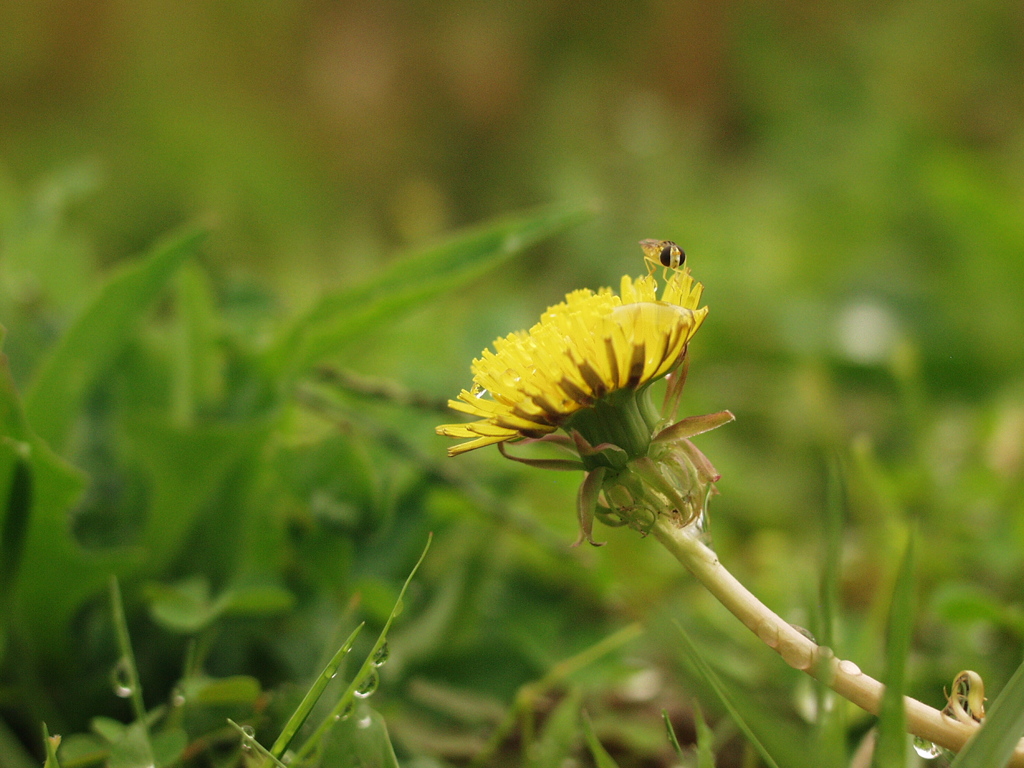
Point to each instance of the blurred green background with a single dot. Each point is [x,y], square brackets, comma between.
[847,179]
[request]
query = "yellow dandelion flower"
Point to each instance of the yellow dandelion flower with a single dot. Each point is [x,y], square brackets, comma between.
[589,356]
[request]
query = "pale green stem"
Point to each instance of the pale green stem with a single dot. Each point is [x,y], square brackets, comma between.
[842,676]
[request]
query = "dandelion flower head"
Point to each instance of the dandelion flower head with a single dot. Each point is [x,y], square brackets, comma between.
[590,350]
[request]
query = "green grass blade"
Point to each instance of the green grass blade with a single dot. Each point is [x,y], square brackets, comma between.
[195,375]
[672,738]
[705,739]
[409,283]
[94,339]
[1001,731]
[559,735]
[51,743]
[312,696]
[365,671]
[831,717]
[891,747]
[833,535]
[601,757]
[250,743]
[713,682]
[127,670]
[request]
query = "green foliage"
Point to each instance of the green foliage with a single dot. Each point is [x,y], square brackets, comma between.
[754,731]
[891,747]
[601,757]
[193,473]
[55,397]
[846,182]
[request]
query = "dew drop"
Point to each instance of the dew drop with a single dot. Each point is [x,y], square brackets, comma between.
[364,722]
[380,658]
[701,522]
[249,731]
[849,668]
[769,633]
[926,749]
[346,713]
[399,607]
[368,685]
[288,757]
[177,698]
[798,656]
[805,632]
[120,679]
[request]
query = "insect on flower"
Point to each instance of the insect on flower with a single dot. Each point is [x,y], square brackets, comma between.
[586,368]
[662,253]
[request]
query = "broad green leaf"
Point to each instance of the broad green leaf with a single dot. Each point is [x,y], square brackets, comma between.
[409,283]
[1001,731]
[16,501]
[265,600]
[181,607]
[15,489]
[108,729]
[93,340]
[83,749]
[187,606]
[712,681]
[184,468]
[601,757]
[54,575]
[891,747]
[195,381]
[215,691]
[133,749]
[168,746]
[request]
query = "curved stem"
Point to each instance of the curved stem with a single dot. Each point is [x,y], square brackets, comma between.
[843,677]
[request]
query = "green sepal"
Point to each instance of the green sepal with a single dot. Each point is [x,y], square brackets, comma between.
[586,506]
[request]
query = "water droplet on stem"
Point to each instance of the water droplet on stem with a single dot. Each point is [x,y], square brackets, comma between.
[849,667]
[926,749]
[769,633]
[368,685]
[121,679]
